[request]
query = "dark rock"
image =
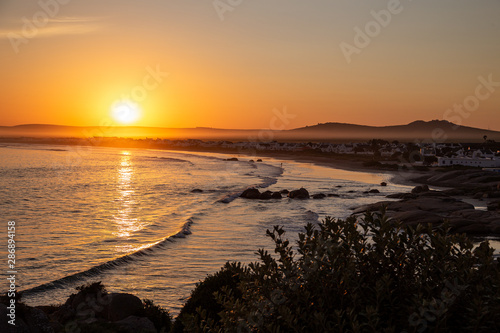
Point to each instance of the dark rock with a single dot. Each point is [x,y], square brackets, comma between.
[401,196]
[454,192]
[478,195]
[333,195]
[63,314]
[338,186]
[137,324]
[284,191]
[251,161]
[494,205]
[415,217]
[494,194]
[374,191]
[266,195]
[232,159]
[299,194]
[351,191]
[383,184]
[197,190]
[251,193]
[122,305]
[28,319]
[259,160]
[319,196]
[276,195]
[420,189]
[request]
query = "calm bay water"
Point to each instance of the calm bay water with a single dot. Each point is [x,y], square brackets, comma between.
[129,217]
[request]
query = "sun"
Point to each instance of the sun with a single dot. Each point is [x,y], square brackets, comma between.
[125,112]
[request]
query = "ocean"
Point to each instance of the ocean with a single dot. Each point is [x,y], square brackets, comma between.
[130,217]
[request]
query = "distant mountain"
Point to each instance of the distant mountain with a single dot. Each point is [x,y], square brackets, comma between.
[436,130]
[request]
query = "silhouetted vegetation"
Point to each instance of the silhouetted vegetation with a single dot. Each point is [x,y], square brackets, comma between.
[372,275]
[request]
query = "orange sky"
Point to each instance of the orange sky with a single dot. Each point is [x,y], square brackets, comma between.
[232,68]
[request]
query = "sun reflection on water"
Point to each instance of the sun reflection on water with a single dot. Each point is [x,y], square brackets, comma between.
[125,222]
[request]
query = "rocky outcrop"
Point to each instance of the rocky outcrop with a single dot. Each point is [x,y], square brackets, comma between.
[137,324]
[276,195]
[92,309]
[121,306]
[301,193]
[319,196]
[419,189]
[251,193]
[435,207]
[467,178]
[266,195]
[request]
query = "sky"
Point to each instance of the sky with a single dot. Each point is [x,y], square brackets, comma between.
[244,64]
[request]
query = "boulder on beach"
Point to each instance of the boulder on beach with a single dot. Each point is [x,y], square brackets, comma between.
[233,159]
[259,160]
[420,189]
[401,196]
[137,324]
[197,190]
[121,306]
[383,184]
[284,191]
[319,196]
[276,195]
[301,193]
[333,195]
[266,195]
[250,193]
[374,191]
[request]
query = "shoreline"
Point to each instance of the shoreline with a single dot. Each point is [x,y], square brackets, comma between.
[346,162]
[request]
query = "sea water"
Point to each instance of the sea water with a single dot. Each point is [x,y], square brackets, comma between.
[130,217]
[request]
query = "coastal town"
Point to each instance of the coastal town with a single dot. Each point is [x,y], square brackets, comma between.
[484,154]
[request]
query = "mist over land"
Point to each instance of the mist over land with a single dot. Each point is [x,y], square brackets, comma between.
[430,131]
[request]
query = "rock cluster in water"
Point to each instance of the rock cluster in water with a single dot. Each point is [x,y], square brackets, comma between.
[302,193]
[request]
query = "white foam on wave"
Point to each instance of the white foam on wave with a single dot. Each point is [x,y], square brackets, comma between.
[144,250]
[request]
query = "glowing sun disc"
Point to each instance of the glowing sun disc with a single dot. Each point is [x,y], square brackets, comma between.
[125,112]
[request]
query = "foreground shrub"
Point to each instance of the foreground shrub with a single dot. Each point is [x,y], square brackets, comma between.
[203,299]
[371,275]
[158,316]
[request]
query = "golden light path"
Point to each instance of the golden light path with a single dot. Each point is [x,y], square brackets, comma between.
[125,223]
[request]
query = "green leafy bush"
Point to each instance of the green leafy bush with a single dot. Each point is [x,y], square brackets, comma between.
[371,275]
